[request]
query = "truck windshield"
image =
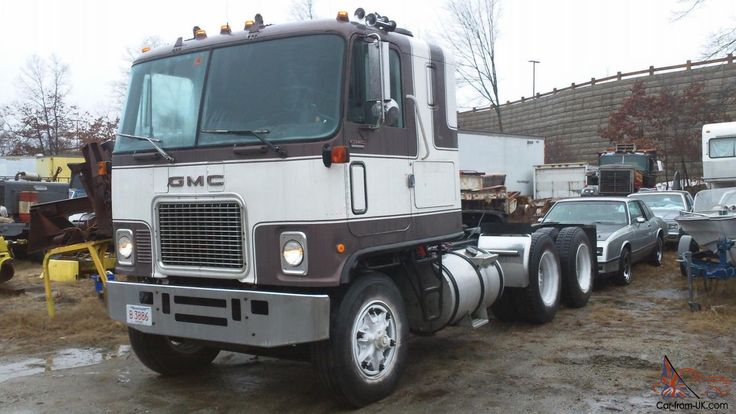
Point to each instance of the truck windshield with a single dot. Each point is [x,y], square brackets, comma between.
[163,102]
[287,89]
[588,212]
[640,162]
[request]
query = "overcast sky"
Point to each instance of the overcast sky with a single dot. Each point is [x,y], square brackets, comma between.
[574,39]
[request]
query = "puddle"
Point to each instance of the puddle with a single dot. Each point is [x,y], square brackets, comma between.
[62,359]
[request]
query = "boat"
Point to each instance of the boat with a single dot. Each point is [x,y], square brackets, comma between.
[712,220]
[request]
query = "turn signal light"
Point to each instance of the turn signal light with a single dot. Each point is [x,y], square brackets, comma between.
[340,155]
[145,49]
[340,248]
[102,168]
[342,16]
[200,34]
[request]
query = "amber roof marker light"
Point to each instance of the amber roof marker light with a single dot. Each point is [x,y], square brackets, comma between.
[342,16]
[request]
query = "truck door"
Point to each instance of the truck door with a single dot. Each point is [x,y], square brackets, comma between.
[379,200]
[435,170]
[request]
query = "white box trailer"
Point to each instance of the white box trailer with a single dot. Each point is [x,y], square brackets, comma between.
[512,155]
[562,180]
[10,166]
[719,154]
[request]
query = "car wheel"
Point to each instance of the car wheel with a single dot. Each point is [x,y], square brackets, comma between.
[576,263]
[367,350]
[658,253]
[623,276]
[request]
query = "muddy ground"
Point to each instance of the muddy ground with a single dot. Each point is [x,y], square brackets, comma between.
[605,357]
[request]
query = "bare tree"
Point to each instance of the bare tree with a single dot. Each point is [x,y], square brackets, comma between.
[720,42]
[303,10]
[120,86]
[473,41]
[41,121]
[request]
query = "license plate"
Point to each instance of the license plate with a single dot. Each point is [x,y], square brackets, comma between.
[138,315]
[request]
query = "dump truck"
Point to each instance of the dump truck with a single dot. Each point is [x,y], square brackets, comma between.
[625,169]
[293,190]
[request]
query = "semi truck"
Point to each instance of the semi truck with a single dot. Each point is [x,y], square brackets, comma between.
[293,190]
[625,169]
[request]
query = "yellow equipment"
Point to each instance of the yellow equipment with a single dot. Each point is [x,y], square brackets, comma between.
[96,250]
[61,270]
[6,261]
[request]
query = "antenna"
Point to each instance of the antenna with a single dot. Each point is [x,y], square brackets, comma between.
[227,12]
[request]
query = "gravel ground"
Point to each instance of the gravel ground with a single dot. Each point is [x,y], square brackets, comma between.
[602,358]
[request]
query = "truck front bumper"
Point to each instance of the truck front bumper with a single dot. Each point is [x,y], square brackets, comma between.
[247,317]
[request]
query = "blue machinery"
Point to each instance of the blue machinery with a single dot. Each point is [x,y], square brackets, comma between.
[705,265]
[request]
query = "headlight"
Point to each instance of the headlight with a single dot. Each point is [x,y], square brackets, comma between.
[124,246]
[293,253]
[673,226]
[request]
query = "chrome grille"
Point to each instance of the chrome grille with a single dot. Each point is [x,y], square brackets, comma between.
[201,234]
[143,245]
[616,182]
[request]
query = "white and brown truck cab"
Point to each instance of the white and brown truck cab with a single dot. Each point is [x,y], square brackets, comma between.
[295,187]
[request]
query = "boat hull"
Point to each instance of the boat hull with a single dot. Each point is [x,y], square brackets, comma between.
[708,229]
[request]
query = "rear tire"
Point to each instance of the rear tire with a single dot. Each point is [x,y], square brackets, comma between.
[366,354]
[538,302]
[167,357]
[655,259]
[623,275]
[552,232]
[576,264]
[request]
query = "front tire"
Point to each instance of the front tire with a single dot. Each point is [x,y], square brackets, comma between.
[366,354]
[539,301]
[623,275]
[169,357]
[576,262]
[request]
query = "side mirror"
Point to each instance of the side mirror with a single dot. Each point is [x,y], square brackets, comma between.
[541,219]
[641,220]
[660,166]
[379,82]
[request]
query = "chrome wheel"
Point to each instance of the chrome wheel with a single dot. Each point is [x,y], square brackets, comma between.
[583,267]
[627,267]
[374,340]
[548,276]
[660,248]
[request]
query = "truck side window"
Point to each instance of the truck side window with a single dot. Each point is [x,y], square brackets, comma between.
[360,110]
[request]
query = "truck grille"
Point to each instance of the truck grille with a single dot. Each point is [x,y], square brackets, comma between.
[615,182]
[143,246]
[201,234]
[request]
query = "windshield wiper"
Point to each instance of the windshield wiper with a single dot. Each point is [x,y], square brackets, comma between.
[254,133]
[153,142]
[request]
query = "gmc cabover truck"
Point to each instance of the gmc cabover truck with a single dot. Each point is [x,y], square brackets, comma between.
[292,190]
